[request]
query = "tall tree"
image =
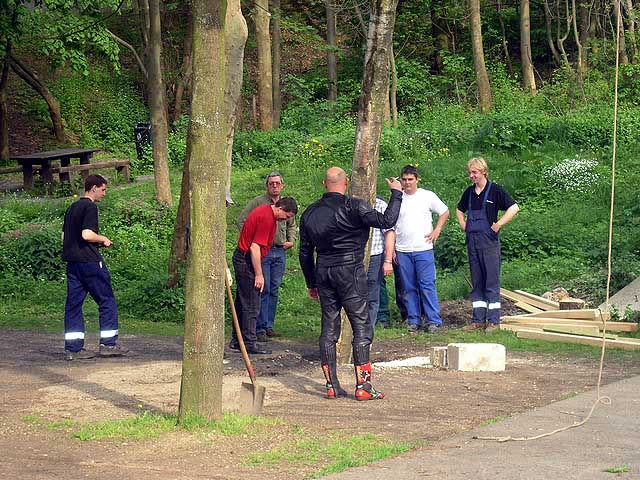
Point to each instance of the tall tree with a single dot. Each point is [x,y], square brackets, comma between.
[157,108]
[276,40]
[265,81]
[332,45]
[528,78]
[202,371]
[184,78]
[505,44]
[4,111]
[373,97]
[482,79]
[235,38]
[631,21]
[549,30]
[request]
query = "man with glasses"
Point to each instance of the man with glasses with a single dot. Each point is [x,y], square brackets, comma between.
[273,265]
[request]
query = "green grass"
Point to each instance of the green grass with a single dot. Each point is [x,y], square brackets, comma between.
[618,469]
[491,421]
[152,424]
[337,453]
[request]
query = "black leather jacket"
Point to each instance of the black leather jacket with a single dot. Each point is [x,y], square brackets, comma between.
[337,227]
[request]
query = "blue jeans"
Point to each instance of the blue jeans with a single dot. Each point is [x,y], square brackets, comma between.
[418,273]
[92,278]
[273,270]
[374,278]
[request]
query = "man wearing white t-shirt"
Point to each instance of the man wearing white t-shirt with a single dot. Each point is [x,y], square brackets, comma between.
[414,239]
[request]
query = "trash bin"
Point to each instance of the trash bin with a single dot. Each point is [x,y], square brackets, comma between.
[142,133]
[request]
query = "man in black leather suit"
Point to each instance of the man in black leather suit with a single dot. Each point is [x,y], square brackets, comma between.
[337,228]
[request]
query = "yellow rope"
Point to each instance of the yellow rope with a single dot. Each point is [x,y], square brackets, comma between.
[600,399]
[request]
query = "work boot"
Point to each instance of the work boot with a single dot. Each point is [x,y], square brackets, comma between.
[271,333]
[433,328]
[492,327]
[79,355]
[112,350]
[334,390]
[413,329]
[364,389]
[263,337]
[472,327]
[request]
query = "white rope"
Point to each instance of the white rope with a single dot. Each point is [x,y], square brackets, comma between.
[600,399]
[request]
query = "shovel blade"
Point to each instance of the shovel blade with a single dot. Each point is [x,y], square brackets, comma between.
[251,399]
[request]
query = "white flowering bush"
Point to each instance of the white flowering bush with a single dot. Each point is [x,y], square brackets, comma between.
[573,175]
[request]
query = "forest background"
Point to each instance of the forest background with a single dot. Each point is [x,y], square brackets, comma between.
[545,126]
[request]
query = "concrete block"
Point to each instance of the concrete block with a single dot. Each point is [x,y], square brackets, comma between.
[476,357]
[439,356]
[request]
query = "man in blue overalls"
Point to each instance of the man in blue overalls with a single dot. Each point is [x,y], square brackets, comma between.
[481,202]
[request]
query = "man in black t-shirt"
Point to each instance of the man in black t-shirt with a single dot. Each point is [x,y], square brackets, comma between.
[482,201]
[87,273]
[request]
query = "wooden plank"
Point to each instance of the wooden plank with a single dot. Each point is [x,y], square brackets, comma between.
[589,331]
[540,300]
[582,340]
[94,166]
[516,297]
[584,314]
[511,327]
[528,308]
[622,327]
[544,320]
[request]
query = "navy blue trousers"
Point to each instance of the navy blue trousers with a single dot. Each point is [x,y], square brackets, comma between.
[93,279]
[483,249]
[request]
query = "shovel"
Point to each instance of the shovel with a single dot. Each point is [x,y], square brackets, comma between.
[251,394]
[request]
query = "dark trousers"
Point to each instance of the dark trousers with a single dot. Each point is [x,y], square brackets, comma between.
[483,249]
[93,279]
[247,299]
[344,286]
[374,277]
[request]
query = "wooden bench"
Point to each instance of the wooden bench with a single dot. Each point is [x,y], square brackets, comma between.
[121,166]
[42,162]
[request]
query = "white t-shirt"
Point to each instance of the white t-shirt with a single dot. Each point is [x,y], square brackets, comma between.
[416,220]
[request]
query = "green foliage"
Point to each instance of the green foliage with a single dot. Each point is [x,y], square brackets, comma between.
[33,250]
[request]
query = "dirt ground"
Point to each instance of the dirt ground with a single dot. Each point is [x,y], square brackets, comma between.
[422,404]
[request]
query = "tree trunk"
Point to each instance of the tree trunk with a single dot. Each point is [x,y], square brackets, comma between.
[563,38]
[157,107]
[184,79]
[276,40]
[528,78]
[622,47]
[482,79]
[235,37]
[4,111]
[631,15]
[576,36]
[33,80]
[265,82]
[332,65]
[202,370]
[440,38]
[505,44]
[549,29]
[374,94]
[393,89]
[178,253]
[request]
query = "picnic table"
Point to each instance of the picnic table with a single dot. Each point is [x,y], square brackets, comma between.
[44,161]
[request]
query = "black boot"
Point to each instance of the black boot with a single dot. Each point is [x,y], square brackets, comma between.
[328,358]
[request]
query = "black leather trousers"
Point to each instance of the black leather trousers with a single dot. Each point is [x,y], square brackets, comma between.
[343,286]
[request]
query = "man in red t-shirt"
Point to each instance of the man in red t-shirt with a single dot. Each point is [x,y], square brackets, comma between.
[254,243]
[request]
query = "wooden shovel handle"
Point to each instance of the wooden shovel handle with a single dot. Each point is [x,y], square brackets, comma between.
[236,325]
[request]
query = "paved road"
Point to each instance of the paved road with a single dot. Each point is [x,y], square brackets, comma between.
[611,438]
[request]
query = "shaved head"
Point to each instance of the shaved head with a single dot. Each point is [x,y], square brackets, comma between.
[335,180]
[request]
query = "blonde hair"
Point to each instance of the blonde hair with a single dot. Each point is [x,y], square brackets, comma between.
[479,163]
